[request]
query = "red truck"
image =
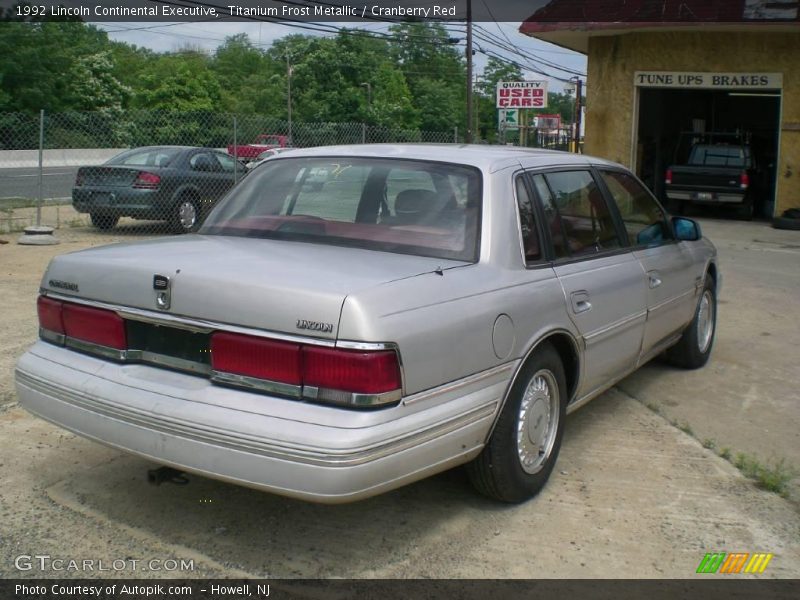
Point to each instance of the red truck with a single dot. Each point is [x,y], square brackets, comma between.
[265,141]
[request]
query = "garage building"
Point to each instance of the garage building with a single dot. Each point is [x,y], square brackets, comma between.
[663,74]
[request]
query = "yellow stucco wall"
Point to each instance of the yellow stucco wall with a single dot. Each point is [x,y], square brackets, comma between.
[610,90]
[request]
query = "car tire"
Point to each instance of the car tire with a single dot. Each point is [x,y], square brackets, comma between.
[786,223]
[103,221]
[694,347]
[520,455]
[747,210]
[186,217]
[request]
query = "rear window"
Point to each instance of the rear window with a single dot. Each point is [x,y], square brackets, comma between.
[718,156]
[404,206]
[148,157]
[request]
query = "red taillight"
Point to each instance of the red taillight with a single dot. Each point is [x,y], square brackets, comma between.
[84,323]
[668,177]
[329,374]
[256,357]
[50,314]
[351,371]
[744,180]
[94,325]
[147,181]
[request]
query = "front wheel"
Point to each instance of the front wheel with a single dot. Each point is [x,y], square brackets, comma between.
[694,347]
[519,457]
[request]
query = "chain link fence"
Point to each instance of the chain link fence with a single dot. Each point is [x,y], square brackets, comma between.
[123,174]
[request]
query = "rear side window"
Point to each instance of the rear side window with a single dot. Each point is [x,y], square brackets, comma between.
[529,234]
[644,219]
[552,219]
[153,157]
[585,219]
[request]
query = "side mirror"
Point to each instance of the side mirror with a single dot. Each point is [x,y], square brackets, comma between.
[686,230]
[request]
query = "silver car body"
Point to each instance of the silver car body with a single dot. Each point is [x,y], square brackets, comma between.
[462,331]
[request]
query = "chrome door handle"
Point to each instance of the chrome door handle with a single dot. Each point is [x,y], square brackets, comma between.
[580,302]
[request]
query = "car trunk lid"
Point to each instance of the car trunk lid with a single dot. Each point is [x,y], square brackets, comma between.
[278,286]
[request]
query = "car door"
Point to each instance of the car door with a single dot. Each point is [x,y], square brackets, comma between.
[603,282]
[228,173]
[205,174]
[666,262]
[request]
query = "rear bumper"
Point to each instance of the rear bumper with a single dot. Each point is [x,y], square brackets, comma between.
[119,201]
[282,446]
[708,196]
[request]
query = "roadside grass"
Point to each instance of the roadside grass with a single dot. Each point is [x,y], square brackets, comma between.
[19,202]
[773,476]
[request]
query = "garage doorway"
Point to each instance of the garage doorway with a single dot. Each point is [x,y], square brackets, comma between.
[668,118]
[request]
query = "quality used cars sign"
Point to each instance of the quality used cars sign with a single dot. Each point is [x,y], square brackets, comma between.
[521,94]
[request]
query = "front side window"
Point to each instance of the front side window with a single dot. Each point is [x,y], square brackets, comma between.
[403,206]
[585,220]
[644,219]
[204,162]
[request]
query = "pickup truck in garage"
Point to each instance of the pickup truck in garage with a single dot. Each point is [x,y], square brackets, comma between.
[714,174]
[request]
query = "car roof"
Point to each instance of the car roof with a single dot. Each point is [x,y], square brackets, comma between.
[485,157]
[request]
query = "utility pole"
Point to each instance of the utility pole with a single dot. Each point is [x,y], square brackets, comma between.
[468,135]
[368,85]
[289,97]
[578,111]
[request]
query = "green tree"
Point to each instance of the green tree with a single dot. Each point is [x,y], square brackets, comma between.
[486,106]
[180,81]
[435,71]
[37,60]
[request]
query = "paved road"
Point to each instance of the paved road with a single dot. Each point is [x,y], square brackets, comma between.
[24,182]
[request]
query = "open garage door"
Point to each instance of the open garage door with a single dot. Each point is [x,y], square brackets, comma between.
[669,120]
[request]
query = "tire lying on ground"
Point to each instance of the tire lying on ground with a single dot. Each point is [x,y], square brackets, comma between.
[789,220]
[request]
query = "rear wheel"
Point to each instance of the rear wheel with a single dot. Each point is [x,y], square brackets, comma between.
[520,455]
[185,215]
[694,347]
[103,221]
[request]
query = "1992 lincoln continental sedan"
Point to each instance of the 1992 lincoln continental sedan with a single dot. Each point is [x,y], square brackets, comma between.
[351,319]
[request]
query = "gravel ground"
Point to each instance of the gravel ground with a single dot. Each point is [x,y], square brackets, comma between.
[632,495]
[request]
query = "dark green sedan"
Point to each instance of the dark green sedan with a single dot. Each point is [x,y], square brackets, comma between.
[177,184]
